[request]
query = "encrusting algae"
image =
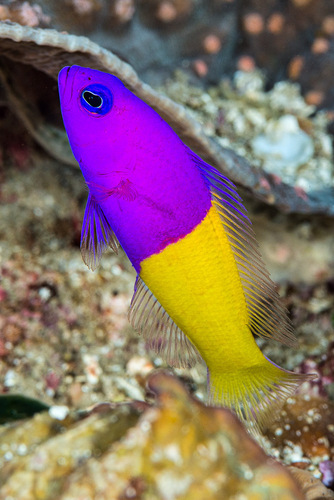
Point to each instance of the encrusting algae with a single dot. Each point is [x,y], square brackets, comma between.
[202,289]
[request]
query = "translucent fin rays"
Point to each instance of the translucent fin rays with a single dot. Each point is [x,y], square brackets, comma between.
[160,332]
[96,234]
[268,318]
[256,395]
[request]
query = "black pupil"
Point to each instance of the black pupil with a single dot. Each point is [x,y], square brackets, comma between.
[93,100]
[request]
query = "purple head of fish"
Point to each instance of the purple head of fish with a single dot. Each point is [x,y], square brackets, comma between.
[91,135]
[135,166]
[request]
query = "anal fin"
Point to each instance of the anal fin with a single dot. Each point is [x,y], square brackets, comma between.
[160,332]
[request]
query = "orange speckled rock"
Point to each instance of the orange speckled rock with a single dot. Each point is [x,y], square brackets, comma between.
[174,449]
[305,428]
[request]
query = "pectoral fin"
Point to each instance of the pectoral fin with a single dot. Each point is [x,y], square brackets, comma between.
[96,234]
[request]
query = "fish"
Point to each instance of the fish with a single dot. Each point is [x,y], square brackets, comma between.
[202,291]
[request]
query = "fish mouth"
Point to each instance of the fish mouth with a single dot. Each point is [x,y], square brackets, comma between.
[62,77]
[65,84]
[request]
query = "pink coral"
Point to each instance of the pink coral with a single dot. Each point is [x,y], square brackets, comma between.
[24,14]
[85,7]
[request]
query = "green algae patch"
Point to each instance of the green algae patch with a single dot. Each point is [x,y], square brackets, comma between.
[16,407]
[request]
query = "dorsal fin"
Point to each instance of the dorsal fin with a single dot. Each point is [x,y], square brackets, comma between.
[161,334]
[96,234]
[268,317]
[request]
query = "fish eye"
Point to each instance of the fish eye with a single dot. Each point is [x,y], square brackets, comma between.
[96,99]
[92,99]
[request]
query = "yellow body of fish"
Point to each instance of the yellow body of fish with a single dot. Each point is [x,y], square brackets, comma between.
[198,283]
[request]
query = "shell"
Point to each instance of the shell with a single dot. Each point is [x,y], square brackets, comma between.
[30,61]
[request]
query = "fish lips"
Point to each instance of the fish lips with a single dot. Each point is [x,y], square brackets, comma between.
[62,77]
[66,79]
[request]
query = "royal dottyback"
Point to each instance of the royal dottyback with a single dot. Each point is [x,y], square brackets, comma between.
[202,289]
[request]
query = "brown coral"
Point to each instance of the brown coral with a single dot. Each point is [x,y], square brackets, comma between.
[176,449]
[32,55]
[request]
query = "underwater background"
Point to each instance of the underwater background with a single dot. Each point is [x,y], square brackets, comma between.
[248,86]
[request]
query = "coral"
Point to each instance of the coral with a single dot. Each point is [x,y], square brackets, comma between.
[84,7]
[315,73]
[220,111]
[170,11]
[304,432]
[273,129]
[176,448]
[289,39]
[121,11]
[24,13]
[296,38]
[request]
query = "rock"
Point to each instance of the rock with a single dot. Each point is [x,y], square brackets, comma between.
[176,448]
[303,434]
[312,488]
[38,455]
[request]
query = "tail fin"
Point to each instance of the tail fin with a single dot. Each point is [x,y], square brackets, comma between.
[256,393]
